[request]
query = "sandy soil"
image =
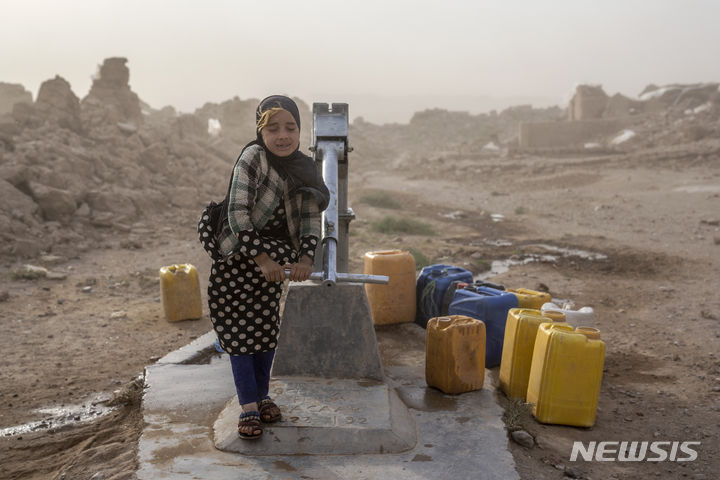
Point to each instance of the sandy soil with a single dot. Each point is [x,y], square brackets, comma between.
[654,215]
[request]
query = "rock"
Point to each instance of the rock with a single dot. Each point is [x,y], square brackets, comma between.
[155,157]
[26,115]
[57,102]
[110,99]
[16,203]
[52,259]
[55,204]
[30,272]
[56,276]
[8,129]
[184,197]
[26,248]
[107,200]
[4,296]
[187,125]
[83,210]
[523,438]
[127,127]
[572,472]
[11,94]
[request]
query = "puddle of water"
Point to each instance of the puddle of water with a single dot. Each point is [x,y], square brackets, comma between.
[497,242]
[427,399]
[59,416]
[501,266]
[697,188]
[571,252]
[454,215]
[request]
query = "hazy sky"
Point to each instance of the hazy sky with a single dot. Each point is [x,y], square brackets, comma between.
[387,58]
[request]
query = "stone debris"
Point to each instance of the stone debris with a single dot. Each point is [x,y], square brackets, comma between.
[75,172]
[30,272]
[12,94]
[523,438]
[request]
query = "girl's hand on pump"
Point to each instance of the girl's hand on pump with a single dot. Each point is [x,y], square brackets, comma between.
[300,271]
[271,270]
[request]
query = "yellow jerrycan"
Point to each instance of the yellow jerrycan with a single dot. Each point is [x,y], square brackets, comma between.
[180,289]
[518,345]
[455,354]
[394,302]
[530,298]
[566,374]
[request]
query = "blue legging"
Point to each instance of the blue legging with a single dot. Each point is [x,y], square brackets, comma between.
[252,375]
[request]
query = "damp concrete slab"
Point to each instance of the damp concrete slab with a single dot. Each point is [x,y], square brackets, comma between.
[458,436]
[325,417]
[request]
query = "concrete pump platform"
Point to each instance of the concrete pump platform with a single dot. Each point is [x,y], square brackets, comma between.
[189,407]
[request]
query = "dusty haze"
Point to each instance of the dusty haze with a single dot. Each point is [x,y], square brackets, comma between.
[387,59]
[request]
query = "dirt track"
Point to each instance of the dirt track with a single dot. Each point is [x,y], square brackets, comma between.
[655,215]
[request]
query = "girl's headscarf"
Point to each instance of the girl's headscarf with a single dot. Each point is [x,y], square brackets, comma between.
[297,169]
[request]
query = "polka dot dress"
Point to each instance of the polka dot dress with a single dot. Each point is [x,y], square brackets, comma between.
[244,307]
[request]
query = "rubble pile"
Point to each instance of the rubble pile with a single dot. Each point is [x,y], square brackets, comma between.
[660,116]
[12,93]
[436,134]
[76,172]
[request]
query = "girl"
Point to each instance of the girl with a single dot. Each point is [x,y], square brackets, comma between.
[273,224]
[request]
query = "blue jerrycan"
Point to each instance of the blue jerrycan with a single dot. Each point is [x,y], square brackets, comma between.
[491,306]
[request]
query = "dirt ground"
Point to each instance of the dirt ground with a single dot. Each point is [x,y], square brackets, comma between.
[654,216]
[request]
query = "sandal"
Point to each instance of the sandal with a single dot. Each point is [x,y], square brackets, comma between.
[249,425]
[269,411]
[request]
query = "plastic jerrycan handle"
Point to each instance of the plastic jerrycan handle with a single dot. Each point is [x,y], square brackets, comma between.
[554,315]
[444,322]
[558,327]
[386,252]
[175,269]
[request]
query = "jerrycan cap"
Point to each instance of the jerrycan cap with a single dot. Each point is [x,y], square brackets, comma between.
[590,332]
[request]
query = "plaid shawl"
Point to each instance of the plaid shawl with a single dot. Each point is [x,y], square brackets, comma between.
[255,194]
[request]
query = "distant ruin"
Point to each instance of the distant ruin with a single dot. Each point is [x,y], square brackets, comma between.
[594,118]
